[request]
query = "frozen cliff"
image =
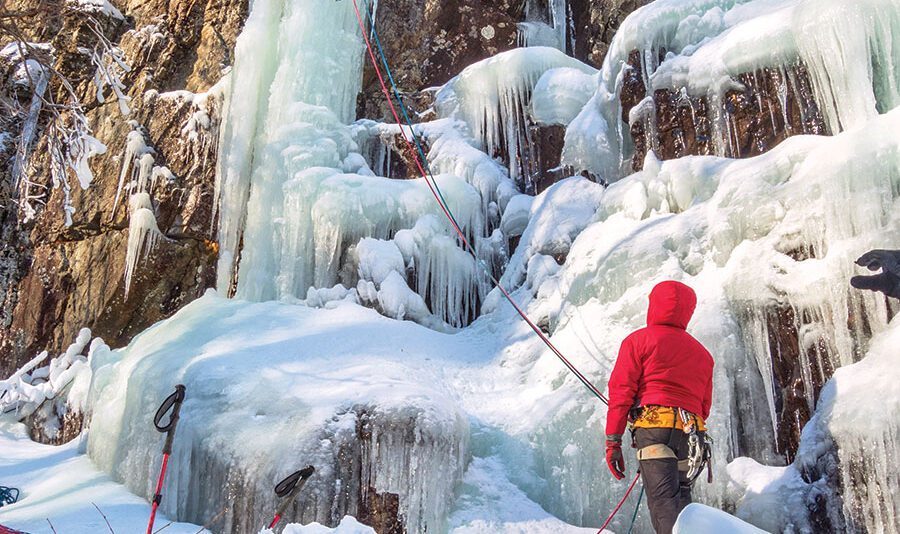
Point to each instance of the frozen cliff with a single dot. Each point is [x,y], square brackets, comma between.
[747,148]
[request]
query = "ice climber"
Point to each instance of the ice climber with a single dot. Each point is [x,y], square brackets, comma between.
[661,386]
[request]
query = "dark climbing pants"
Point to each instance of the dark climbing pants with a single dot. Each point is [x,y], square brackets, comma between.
[666,488]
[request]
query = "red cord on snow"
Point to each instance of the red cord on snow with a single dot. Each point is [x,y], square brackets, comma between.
[419,164]
[619,506]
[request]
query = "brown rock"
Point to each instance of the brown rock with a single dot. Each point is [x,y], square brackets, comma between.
[773,105]
[57,279]
[596,23]
[427,43]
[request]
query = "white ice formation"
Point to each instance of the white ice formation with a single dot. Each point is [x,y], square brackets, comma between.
[493,97]
[701,46]
[138,179]
[65,378]
[389,409]
[547,23]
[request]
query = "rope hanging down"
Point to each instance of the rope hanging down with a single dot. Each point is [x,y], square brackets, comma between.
[619,506]
[422,164]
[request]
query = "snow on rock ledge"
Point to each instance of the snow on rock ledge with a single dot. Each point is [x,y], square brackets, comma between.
[348,525]
[853,441]
[270,388]
[833,54]
[700,519]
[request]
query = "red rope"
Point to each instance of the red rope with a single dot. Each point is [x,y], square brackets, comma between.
[449,216]
[619,506]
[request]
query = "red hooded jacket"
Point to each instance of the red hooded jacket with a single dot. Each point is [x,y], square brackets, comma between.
[661,364]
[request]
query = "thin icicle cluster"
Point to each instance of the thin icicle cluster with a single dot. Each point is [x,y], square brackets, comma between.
[138,178]
[493,97]
[143,234]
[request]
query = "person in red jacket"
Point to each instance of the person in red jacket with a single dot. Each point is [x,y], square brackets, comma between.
[663,379]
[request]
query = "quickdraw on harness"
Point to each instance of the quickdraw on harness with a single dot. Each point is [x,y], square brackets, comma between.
[173,402]
[288,489]
[699,448]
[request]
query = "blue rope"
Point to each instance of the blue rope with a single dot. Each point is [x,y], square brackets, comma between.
[406,118]
[8,495]
[636,508]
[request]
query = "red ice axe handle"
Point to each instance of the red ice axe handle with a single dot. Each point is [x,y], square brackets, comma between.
[172,403]
[288,489]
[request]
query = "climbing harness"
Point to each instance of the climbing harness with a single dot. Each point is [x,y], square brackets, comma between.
[699,446]
[619,506]
[8,495]
[173,402]
[422,165]
[288,489]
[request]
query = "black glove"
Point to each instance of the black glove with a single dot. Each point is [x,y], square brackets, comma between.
[888,281]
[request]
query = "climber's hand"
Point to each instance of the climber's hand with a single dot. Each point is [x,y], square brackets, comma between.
[614,458]
[888,281]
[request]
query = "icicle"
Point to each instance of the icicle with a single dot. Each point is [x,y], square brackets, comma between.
[491,97]
[143,234]
[135,150]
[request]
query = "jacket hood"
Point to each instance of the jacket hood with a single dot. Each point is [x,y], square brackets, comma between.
[671,304]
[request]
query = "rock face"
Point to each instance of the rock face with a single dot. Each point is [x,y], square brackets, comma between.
[429,42]
[774,104]
[595,24]
[57,279]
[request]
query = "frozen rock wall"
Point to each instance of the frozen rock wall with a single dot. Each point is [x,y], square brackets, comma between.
[56,278]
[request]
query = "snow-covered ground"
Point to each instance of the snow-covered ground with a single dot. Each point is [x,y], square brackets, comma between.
[60,487]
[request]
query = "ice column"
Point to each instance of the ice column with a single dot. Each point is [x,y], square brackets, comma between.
[297,72]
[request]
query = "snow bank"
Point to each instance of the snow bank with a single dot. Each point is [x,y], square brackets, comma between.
[348,525]
[60,487]
[700,519]
[271,386]
[490,504]
[777,499]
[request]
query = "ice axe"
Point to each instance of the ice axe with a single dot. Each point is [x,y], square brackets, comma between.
[288,489]
[173,403]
